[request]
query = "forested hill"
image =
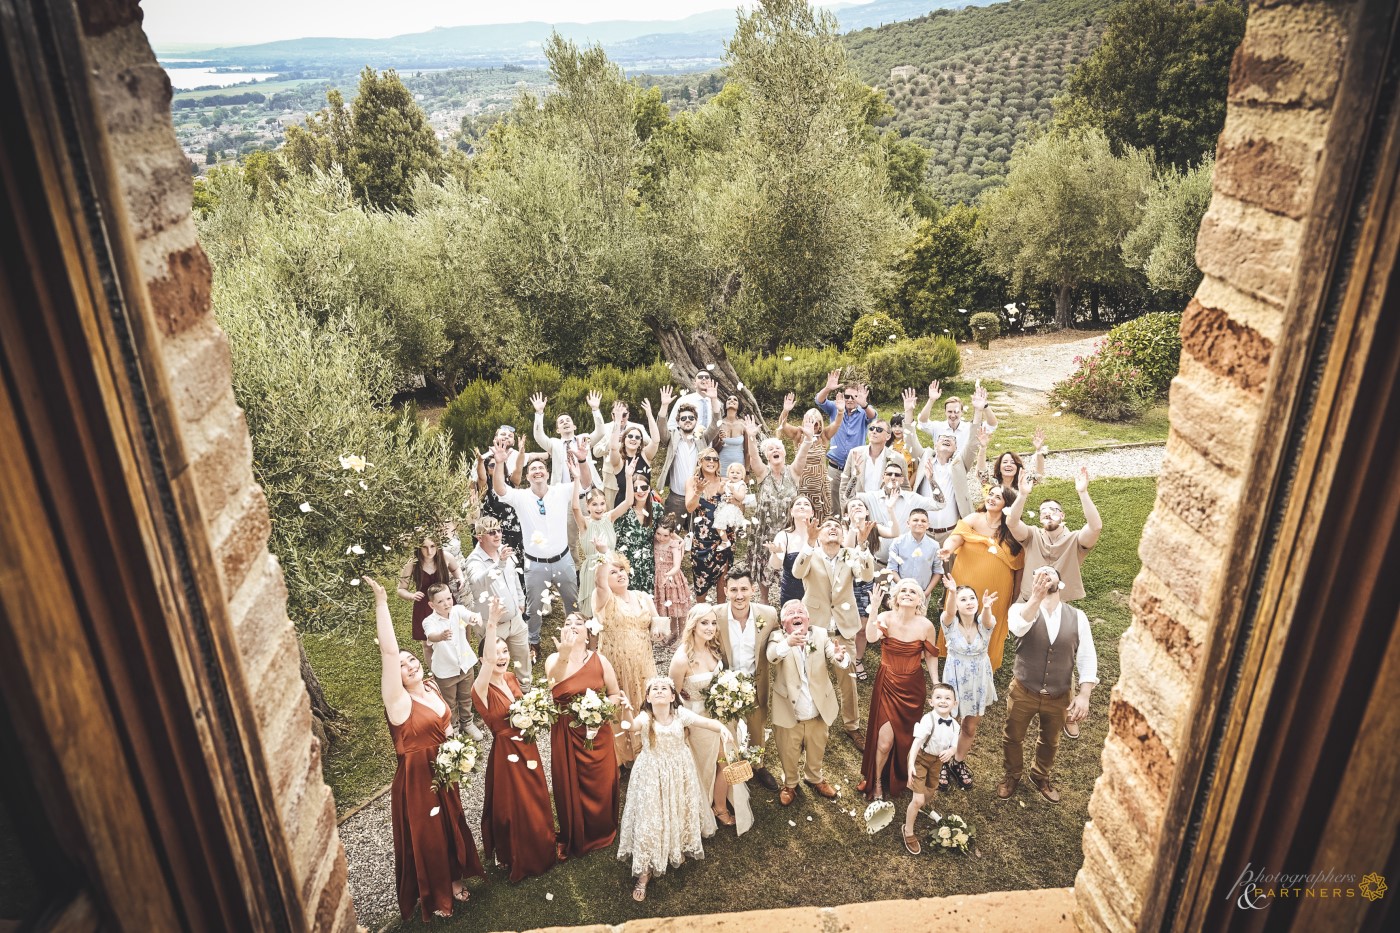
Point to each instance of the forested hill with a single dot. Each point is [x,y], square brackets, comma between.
[969,83]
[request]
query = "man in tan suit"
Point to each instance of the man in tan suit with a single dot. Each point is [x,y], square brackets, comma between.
[744,627]
[829,573]
[803,700]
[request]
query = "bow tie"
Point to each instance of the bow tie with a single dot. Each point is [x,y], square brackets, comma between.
[945,722]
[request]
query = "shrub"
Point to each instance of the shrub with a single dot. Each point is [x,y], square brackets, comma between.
[1153,344]
[985,325]
[911,363]
[801,370]
[872,331]
[1107,386]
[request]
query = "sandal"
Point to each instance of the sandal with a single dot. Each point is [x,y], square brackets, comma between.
[639,890]
[462,896]
[723,817]
[962,774]
[943,783]
[861,673]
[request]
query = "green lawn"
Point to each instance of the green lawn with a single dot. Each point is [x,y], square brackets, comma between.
[826,858]
[1067,430]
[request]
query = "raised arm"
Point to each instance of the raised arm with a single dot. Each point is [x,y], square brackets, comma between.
[833,379]
[615,439]
[499,451]
[519,461]
[654,441]
[950,592]
[490,651]
[1014,522]
[974,447]
[1093,522]
[538,400]
[756,465]
[595,398]
[397,703]
[621,508]
[862,394]
[935,389]
[875,628]
[580,518]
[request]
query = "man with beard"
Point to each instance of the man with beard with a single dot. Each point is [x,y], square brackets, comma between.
[1054,545]
[683,445]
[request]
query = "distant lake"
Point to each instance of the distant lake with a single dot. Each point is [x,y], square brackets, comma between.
[186,78]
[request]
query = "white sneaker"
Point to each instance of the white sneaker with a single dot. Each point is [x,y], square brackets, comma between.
[474,731]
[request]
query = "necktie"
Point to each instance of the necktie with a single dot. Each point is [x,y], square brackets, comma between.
[945,722]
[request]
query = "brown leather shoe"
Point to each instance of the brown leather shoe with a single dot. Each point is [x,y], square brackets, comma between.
[786,795]
[765,777]
[1047,790]
[823,788]
[857,738]
[1007,787]
[911,844]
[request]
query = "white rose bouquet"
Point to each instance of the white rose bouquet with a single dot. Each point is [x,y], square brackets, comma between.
[454,762]
[953,833]
[731,696]
[533,713]
[591,710]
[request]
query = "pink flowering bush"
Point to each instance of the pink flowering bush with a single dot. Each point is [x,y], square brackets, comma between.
[1107,386]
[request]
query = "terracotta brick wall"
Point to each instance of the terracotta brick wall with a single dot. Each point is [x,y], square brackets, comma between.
[1281,89]
[133,96]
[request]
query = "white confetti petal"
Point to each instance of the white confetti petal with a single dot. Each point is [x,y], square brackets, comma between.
[1022,803]
[809,819]
[512,758]
[363,485]
[305,506]
[386,547]
[739,386]
[962,310]
[845,605]
[791,823]
[668,604]
[1057,414]
[515,663]
[787,359]
[532,764]
[434,811]
[548,896]
[710,367]
[355,582]
[626,724]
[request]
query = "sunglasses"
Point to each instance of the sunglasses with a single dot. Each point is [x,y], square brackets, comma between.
[710,459]
[878,430]
[494,531]
[847,395]
[642,489]
[541,504]
[686,418]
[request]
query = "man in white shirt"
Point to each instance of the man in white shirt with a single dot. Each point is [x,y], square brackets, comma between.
[683,445]
[492,571]
[543,510]
[1054,639]
[803,700]
[893,501]
[943,480]
[568,440]
[705,400]
[744,627]
[446,628]
[953,414]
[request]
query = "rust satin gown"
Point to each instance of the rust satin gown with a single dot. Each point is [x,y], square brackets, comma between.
[517,826]
[433,846]
[585,780]
[897,698]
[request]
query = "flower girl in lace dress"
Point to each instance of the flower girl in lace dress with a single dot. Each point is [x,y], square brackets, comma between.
[665,810]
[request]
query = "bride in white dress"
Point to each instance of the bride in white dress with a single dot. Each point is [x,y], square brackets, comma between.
[662,823]
[696,664]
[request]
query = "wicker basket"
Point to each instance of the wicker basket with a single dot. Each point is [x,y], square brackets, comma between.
[737,772]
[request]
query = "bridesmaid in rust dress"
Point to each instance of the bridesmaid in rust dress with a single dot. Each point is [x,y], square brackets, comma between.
[433,848]
[897,698]
[584,769]
[517,826]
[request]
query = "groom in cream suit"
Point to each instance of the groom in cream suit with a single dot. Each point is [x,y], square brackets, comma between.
[803,700]
[744,627]
[829,572]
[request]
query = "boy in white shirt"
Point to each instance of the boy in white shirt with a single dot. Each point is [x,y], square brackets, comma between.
[446,629]
[935,740]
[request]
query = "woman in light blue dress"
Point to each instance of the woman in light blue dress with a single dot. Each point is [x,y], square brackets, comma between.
[729,435]
[968,668]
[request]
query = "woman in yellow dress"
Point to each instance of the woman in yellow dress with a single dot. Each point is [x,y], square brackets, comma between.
[989,560]
[630,625]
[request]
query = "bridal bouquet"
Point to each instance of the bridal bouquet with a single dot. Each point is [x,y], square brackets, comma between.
[455,760]
[533,713]
[953,833]
[590,711]
[731,696]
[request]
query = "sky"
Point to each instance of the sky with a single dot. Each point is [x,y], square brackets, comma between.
[194,22]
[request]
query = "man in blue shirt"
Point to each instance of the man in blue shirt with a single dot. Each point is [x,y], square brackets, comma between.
[854,415]
[915,553]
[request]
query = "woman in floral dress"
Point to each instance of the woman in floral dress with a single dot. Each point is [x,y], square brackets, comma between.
[711,554]
[776,488]
[968,669]
[636,534]
[812,479]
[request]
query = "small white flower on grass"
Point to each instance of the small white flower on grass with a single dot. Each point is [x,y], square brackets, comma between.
[305,506]
[434,811]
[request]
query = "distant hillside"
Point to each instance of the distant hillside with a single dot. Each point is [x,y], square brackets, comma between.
[690,44]
[969,83]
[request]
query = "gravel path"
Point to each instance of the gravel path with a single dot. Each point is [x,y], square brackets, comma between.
[1135,460]
[1034,362]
